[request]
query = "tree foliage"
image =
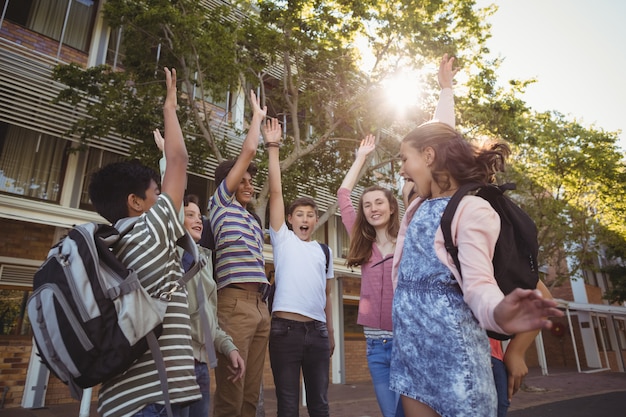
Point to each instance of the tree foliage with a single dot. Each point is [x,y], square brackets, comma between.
[570,178]
[301,55]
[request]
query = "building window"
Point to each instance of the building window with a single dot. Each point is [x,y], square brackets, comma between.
[351,329]
[49,19]
[31,163]
[96,159]
[115,49]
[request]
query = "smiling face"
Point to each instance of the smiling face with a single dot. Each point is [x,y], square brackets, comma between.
[303,220]
[415,166]
[245,190]
[193,221]
[376,208]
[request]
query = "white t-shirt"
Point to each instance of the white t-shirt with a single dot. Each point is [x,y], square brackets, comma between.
[300,275]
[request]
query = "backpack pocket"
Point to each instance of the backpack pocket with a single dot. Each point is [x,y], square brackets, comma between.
[48,309]
[137,312]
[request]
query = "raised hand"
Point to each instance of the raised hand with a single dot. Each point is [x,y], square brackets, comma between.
[446,72]
[257,111]
[272,132]
[158,139]
[368,144]
[170,82]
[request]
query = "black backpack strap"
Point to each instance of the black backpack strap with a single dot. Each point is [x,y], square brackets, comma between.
[326,250]
[446,221]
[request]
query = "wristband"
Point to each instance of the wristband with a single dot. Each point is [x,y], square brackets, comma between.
[272,145]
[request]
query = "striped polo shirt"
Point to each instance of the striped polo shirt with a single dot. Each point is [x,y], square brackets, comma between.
[238,241]
[150,249]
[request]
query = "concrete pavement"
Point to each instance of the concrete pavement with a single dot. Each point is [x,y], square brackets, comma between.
[562,390]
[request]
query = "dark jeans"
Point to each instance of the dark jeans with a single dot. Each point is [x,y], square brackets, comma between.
[200,408]
[501,379]
[296,346]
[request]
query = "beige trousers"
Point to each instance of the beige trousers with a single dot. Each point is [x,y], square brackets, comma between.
[245,317]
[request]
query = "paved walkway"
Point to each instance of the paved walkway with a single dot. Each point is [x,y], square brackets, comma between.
[358,400]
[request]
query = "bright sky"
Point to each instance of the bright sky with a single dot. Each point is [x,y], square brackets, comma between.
[575,49]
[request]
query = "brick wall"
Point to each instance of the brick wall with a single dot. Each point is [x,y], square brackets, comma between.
[14,357]
[25,240]
[559,349]
[356,361]
[36,42]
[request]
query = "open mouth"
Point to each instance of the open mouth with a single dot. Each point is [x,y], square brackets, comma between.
[304,228]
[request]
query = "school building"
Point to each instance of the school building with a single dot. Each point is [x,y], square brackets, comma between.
[43,192]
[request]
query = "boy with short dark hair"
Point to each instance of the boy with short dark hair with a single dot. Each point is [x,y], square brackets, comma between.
[240,275]
[129,189]
[301,338]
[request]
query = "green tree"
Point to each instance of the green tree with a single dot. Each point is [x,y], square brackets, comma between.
[301,55]
[570,178]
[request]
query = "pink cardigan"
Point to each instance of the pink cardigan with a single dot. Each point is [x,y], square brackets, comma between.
[376,286]
[475,230]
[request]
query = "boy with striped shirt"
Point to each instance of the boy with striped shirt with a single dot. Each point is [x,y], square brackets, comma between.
[129,189]
[240,273]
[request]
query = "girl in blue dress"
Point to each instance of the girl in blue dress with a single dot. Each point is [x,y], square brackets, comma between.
[441,358]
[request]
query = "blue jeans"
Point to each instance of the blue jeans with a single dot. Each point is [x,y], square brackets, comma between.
[501,379]
[200,408]
[378,362]
[296,346]
[157,410]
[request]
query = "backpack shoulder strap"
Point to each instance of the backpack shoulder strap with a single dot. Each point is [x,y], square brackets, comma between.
[186,242]
[326,250]
[448,215]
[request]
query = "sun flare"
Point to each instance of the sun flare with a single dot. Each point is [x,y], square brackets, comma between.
[402,90]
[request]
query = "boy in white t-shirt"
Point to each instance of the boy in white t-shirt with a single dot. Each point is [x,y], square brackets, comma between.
[301,336]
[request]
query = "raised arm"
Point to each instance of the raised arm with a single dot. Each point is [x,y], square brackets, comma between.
[445,106]
[159,140]
[367,146]
[272,134]
[249,146]
[175,177]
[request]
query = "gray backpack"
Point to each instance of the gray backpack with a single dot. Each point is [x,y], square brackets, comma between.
[91,317]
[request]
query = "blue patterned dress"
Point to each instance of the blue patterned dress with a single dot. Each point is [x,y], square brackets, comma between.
[440,355]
